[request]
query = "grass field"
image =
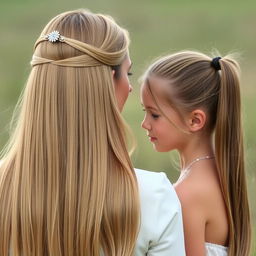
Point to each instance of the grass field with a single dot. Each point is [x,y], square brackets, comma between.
[156,28]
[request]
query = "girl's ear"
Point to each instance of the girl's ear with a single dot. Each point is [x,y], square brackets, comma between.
[196,120]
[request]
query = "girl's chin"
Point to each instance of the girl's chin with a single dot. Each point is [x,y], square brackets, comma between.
[158,149]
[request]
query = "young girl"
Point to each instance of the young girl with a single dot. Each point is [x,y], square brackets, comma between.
[192,104]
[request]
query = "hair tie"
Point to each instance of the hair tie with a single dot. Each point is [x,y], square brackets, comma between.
[215,63]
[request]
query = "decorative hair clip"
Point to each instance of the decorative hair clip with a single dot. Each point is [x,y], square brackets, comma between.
[54,37]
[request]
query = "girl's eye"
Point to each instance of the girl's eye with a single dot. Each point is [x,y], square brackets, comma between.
[129,73]
[155,116]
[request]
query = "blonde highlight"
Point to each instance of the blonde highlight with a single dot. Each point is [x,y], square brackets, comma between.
[67,185]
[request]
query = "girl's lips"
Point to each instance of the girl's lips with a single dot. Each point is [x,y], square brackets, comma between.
[152,139]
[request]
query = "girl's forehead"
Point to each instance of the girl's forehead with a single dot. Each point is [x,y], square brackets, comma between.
[150,98]
[159,88]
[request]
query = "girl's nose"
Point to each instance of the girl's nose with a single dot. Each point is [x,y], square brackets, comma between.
[145,124]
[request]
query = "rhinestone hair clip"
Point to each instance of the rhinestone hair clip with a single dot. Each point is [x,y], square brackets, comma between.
[54,37]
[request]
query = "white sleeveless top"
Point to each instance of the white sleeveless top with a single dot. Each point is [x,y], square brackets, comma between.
[215,250]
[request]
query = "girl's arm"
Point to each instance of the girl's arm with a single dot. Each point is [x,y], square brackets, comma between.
[193,210]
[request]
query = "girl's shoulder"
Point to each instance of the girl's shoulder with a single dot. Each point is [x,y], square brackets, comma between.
[196,189]
[190,191]
[201,194]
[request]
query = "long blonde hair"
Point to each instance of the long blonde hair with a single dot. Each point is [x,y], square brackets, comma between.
[67,185]
[195,83]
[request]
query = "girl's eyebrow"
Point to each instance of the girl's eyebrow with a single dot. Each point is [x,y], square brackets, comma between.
[149,107]
[152,108]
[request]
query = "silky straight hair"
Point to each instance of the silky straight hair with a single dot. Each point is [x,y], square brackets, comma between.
[195,83]
[67,185]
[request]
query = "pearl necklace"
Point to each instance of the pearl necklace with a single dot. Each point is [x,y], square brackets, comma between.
[187,170]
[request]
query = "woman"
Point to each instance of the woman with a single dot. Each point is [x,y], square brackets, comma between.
[67,184]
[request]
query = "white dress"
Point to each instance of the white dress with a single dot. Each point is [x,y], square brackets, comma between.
[215,250]
[161,229]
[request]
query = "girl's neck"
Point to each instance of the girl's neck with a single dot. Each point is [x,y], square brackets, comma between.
[196,149]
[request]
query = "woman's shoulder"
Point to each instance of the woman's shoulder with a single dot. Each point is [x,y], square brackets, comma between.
[144,176]
[156,187]
[161,230]
[149,180]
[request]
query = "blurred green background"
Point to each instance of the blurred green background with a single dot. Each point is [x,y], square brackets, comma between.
[156,28]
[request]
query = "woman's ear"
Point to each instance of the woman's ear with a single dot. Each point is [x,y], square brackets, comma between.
[113,73]
[197,120]
[114,78]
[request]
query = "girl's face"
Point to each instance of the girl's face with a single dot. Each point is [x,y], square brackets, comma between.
[162,133]
[122,83]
